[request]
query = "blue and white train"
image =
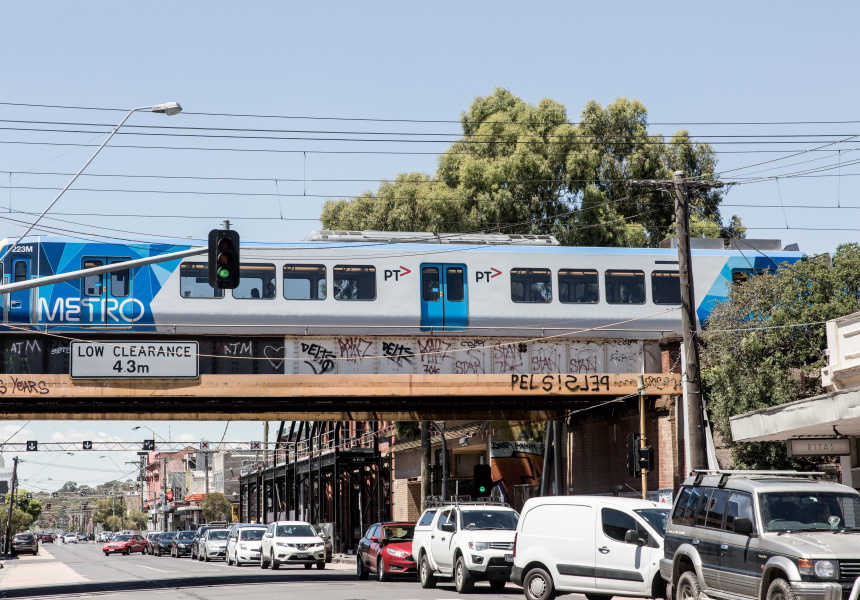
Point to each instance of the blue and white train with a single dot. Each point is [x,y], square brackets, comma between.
[335,283]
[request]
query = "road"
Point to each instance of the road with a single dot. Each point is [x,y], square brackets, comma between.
[81,570]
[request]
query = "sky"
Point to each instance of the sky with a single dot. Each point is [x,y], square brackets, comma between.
[386,70]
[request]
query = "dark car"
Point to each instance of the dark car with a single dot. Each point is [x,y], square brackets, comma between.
[163,543]
[181,544]
[386,550]
[25,543]
[329,548]
[195,544]
[151,539]
[47,538]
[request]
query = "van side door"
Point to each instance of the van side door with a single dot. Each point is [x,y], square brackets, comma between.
[623,566]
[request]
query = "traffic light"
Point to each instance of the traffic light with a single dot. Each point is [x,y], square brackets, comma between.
[224,259]
[48,506]
[646,458]
[482,481]
[633,455]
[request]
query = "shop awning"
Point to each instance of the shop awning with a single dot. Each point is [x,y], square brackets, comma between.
[830,415]
[194,497]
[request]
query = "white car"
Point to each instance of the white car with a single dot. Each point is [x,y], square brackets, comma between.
[70,538]
[294,543]
[213,544]
[600,546]
[243,546]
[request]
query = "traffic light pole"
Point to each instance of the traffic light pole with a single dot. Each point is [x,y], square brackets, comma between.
[8,540]
[642,442]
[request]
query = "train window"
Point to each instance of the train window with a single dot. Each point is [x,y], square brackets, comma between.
[256,280]
[354,282]
[625,287]
[119,282]
[432,290]
[194,282]
[20,271]
[304,282]
[531,285]
[455,288]
[93,284]
[665,287]
[578,286]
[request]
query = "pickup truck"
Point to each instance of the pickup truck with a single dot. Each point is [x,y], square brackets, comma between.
[467,542]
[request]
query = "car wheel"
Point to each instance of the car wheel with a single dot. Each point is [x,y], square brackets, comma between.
[127,552]
[381,575]
[463,579]
[360,571]
[498,583]
[688,587]
[145,551]
[538,585]
[227,559]
[780,590]
[263,563]
[425,575]
[206,556]
[107,553]
[321,565]
[275,564]
[309,566]
[598,597]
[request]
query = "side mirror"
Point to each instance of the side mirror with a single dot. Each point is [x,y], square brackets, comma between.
[267,534]
[449,527]
[374,538]
[632,537]
[743,525]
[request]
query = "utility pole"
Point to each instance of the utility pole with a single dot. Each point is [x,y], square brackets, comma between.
[694,406]
[640,380]
[164,490]
[7,545]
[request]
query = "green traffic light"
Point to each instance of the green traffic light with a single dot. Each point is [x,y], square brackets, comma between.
[223,273]
[482,489]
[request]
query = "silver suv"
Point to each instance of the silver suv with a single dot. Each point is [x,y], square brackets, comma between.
[763,535]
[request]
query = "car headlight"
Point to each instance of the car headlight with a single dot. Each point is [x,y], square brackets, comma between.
[183,545]
[242,547]
[479,546]
[824,569]
[397,553]
[284,544]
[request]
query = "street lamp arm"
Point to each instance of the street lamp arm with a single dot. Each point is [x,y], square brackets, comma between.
[169,108]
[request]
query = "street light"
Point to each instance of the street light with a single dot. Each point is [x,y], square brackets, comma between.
[152,430]
[167,108]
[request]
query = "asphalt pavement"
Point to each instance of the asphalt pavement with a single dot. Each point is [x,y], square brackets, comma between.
[79,570]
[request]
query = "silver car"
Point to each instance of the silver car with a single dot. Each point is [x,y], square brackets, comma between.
[213,544]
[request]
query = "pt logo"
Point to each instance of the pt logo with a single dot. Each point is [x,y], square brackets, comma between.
[32,446]
[87,446]
[486,275]
[396,273]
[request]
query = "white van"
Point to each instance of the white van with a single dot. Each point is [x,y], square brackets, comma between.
[600,546]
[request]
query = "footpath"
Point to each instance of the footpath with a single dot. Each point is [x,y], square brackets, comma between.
[42,569]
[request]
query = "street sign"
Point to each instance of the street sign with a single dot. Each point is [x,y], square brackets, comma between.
[170,494]
[87,445]
[256,445]
[32,446]
[149,444]
[819,447]
[134,360]
[204,445]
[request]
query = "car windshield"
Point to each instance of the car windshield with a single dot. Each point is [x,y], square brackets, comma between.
[397,533]
[167,536]
[251,534]
[790,511]
[185,535]
[122,538]
[218,535]
[490,519]
[295,531]
[656,518]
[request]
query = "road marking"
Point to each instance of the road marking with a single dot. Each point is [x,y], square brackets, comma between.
[154,569]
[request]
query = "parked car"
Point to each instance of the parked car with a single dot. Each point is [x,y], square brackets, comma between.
[761,535]
[213,544]
[467,541]
[180,545]
[292,542]
[25,543]
[70,538]
[151,539]
[243,544]
[386,550]
[164,543]
[616,545]
[329,547]
[195,543]
[126,544]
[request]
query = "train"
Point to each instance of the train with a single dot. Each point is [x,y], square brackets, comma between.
[375,283]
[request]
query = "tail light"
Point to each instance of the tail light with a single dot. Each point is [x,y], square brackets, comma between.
[515,544]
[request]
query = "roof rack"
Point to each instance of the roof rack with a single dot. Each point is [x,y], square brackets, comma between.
[701,473]
[436,501]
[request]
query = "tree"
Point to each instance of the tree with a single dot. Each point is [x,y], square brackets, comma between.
[216,507]
[136,519]
[764,345]
[21,521]
[113,523]
[31,506]
[521,168]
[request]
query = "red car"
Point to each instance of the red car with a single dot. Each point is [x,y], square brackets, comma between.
[386,549]
[126,544]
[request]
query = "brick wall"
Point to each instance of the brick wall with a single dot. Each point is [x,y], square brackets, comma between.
[408,505]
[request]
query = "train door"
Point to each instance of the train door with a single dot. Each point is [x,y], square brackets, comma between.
[20,301]
[444,297]
[104,296]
